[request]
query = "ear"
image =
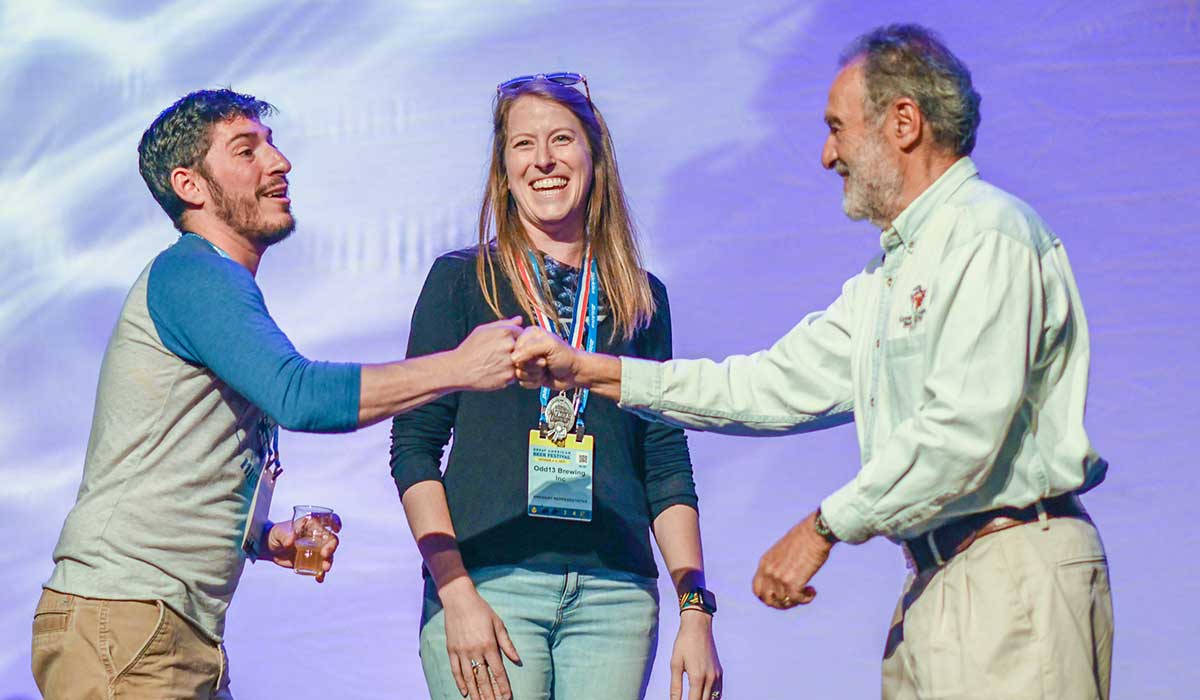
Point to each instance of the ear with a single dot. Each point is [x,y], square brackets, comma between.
[906,123]
[189,186]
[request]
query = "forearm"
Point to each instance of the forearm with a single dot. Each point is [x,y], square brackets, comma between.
[677,531]
[428,516]
[397,387]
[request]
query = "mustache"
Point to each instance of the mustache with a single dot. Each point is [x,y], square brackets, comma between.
[840,168]
[282,181]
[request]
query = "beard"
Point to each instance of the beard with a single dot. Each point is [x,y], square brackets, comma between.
[873,185]
[242,214]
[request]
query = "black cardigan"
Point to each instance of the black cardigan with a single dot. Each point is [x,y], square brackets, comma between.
[640,468]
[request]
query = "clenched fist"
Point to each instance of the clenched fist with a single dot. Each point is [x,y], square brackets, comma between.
[485,356]
[544,359]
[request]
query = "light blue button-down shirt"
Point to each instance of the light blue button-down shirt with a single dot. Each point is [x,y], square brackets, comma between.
[961,355]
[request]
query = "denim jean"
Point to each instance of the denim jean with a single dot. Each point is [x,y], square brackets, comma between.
[581,634]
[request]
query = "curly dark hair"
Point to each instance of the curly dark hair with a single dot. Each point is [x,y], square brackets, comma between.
[181,136]
[908,60]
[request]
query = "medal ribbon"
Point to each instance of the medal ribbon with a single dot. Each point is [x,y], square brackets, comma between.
[587,306]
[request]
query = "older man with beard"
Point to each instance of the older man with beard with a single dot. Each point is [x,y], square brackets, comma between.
[961,355]
[195,383]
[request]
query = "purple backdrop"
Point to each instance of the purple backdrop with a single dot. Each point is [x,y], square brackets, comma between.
[1090,114]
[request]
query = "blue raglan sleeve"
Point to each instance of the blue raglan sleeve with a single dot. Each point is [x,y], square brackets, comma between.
[209,311]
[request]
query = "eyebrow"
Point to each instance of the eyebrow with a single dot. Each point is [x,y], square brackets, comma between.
[248,135]
[832,120]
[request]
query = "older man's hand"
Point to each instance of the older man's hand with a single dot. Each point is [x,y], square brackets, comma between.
[544,359]
[785,570]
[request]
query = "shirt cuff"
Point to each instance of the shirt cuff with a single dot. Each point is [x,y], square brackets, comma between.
[845,516]
[641,383]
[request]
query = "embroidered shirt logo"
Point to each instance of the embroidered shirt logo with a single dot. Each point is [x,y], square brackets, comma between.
[918,308]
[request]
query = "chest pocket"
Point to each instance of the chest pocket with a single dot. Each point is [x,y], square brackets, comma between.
[904,366]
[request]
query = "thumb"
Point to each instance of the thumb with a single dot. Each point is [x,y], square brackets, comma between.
[285,537]
[807,594]
[506,644]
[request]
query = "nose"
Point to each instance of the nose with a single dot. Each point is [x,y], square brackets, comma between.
[829,154]
[544,158]
[279,163]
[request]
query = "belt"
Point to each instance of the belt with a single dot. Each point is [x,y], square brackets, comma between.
[938,546]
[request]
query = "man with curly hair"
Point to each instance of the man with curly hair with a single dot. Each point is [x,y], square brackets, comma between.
[196,381]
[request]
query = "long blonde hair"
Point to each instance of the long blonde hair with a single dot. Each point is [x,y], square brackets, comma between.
[610,231]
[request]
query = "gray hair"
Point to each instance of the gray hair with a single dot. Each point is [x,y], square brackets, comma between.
[908,60]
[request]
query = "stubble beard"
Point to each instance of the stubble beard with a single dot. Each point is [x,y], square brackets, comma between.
[874,184]
[242,214]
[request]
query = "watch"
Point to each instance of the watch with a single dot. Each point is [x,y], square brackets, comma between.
[700,599]
[823,530]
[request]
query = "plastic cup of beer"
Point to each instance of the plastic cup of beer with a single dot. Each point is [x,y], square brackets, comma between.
[313,526]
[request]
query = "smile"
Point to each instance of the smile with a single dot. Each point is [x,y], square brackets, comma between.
[549,183]
[280,194]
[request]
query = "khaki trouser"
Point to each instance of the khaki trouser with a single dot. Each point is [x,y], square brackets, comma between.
[89,649]
[1024,613]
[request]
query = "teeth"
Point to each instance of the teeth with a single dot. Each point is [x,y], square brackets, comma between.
[550,183]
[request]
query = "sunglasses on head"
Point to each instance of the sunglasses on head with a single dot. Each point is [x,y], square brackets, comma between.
[565,79]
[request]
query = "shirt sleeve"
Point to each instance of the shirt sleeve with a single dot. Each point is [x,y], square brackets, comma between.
[801,383]
[209,311]
[982,345]
[438,323]
[667,461]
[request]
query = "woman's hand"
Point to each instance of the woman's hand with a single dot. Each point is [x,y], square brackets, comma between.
[475,633]
[695,654]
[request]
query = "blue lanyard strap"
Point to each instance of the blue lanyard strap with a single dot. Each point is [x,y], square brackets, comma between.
[210,244]
[591,279]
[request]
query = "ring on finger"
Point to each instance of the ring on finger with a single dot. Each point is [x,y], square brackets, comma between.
[716,695]
[475,664]
[786,600]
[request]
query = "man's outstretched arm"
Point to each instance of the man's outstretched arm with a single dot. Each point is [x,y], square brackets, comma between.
[482,362]
[799,384]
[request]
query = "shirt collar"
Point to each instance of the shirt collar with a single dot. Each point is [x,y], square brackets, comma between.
[907,225]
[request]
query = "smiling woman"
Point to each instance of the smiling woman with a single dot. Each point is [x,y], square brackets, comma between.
[549,170]
[535,541]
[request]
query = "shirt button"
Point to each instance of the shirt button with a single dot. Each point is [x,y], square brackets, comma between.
[889,281]
[872,402]
[876,342]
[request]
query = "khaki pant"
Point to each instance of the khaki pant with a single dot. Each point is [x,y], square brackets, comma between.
[88,649]
[1024,613]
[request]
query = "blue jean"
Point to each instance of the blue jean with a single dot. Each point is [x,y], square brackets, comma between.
[581,634]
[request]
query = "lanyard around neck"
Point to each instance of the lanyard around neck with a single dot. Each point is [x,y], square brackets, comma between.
[210,244]
[587,314]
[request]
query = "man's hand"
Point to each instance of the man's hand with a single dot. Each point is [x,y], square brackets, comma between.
[544,359]
[484,358]
[785,570]
[475,636]
[281,544]
[695,655]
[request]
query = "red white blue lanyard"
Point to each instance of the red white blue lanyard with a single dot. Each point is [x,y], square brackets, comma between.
[587,298]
